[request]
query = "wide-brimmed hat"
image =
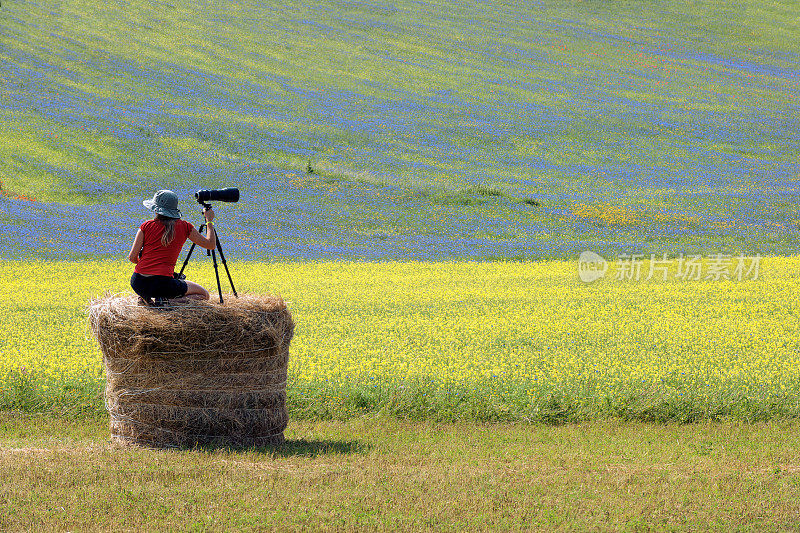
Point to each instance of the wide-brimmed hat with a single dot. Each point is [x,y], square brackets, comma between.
[164,203]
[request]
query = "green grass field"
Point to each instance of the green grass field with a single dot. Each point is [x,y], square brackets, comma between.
[379,474]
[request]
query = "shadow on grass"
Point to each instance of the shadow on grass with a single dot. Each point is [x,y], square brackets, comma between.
[289,448]
[315,448]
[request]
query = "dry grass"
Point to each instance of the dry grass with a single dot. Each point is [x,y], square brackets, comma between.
[195,372]
[383,474]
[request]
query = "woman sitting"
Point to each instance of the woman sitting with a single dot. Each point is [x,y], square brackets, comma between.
[156,248]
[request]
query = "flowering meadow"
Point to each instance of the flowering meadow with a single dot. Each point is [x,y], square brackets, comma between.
[456,340]
[432,130]
[381,148]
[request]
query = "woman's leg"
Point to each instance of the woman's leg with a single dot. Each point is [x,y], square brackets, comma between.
[140,287]
[195,291]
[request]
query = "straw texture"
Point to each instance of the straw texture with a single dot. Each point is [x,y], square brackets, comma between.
[196,372]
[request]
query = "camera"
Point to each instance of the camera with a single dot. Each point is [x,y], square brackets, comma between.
[231,194]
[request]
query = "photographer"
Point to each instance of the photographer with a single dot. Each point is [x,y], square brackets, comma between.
[156,248]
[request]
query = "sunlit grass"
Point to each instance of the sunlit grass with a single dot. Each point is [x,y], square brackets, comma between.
[376,473]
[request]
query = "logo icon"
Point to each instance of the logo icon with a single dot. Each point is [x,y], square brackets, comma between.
[591,266]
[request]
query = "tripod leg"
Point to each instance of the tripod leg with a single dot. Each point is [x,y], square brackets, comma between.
[191,249]
[225,264]
[216,271]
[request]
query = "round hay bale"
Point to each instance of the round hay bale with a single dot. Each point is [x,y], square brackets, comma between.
[196,372]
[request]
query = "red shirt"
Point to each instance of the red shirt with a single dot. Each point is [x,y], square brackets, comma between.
[156,258]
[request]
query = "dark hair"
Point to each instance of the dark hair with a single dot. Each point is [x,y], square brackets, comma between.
[169,229]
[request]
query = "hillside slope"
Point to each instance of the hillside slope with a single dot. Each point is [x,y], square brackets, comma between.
[635,126]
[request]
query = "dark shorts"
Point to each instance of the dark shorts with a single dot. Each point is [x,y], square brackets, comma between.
[157,286]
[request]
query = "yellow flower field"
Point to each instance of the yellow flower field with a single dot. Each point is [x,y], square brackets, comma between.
[449,340]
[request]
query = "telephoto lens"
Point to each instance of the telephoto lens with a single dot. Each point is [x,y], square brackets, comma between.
[231,194]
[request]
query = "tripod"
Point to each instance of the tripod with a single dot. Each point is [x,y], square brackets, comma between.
[213,255]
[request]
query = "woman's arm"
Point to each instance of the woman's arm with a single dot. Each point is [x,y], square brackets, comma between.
[209,242]
[138,242]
